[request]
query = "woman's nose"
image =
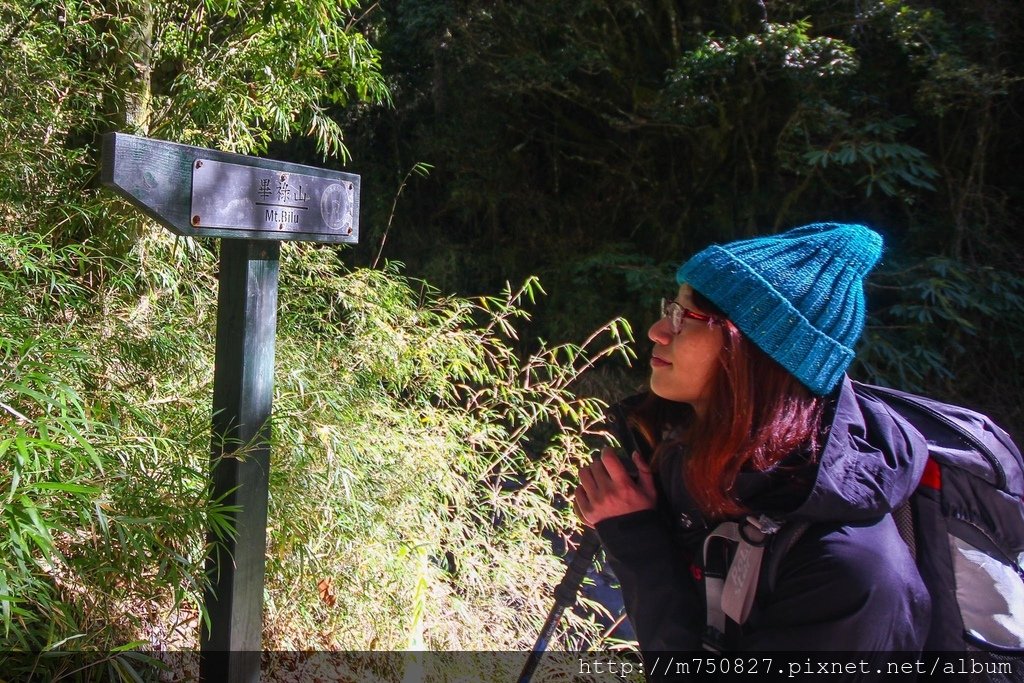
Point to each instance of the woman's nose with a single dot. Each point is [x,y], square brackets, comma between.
[659,332]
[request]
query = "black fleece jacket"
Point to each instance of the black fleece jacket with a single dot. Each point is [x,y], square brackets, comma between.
[849,582]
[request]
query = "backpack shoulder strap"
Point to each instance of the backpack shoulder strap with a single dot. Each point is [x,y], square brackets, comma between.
[784,540]
[714,581]
[731,594]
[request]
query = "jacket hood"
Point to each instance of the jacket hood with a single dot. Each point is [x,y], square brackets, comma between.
[871,463]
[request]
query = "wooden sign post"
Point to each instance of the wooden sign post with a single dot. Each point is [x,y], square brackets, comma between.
[253,204]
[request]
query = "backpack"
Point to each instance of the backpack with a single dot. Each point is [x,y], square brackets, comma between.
[964,526]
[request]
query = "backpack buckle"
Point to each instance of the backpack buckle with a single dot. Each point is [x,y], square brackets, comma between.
[757,531]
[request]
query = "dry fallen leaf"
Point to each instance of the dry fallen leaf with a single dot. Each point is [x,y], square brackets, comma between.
[326,590]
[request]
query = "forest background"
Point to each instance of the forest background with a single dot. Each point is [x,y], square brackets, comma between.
[429,398]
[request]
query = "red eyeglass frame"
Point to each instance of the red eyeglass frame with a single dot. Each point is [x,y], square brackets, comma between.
[684,313]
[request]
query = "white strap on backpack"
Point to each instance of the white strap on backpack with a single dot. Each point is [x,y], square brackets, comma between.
[733,596]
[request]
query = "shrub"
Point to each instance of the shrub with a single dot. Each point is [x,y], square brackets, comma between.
[418,465]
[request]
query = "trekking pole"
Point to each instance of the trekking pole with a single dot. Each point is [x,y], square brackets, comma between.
[565,592]
[565,596]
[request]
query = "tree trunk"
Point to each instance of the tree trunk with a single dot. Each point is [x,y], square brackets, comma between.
[127,102]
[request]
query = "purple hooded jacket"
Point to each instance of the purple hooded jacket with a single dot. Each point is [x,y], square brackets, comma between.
[848,583]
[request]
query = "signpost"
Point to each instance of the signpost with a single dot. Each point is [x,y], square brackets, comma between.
[253,204]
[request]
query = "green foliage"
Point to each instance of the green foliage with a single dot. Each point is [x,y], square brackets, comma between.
[938,48]
[103,492]
[238,74]
[416,459]
[230,75]
[719,72]
[930,320]
[893,167]
[422,453]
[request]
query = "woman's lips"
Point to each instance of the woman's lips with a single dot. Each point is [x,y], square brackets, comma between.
[659,363]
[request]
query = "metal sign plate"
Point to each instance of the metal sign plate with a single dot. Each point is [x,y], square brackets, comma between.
[200,192]
[237,197]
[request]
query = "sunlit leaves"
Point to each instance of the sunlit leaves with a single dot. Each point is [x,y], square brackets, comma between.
[102,498]
[431,435]
[229,75]
[706,78]
[240,74]
[402,419]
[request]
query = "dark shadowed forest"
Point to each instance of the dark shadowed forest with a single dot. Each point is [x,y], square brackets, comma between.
[598,144]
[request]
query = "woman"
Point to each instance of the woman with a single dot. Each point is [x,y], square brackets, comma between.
[750,413]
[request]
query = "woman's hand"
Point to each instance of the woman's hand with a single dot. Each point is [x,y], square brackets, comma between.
[606,489]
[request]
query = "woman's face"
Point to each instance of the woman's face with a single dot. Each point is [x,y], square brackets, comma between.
[683,364]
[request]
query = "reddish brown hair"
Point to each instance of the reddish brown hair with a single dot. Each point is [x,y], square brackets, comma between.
[758,413]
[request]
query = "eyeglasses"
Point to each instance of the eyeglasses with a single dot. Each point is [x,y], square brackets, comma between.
[677,313]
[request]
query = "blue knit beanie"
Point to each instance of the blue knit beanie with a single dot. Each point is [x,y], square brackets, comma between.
[798,295]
